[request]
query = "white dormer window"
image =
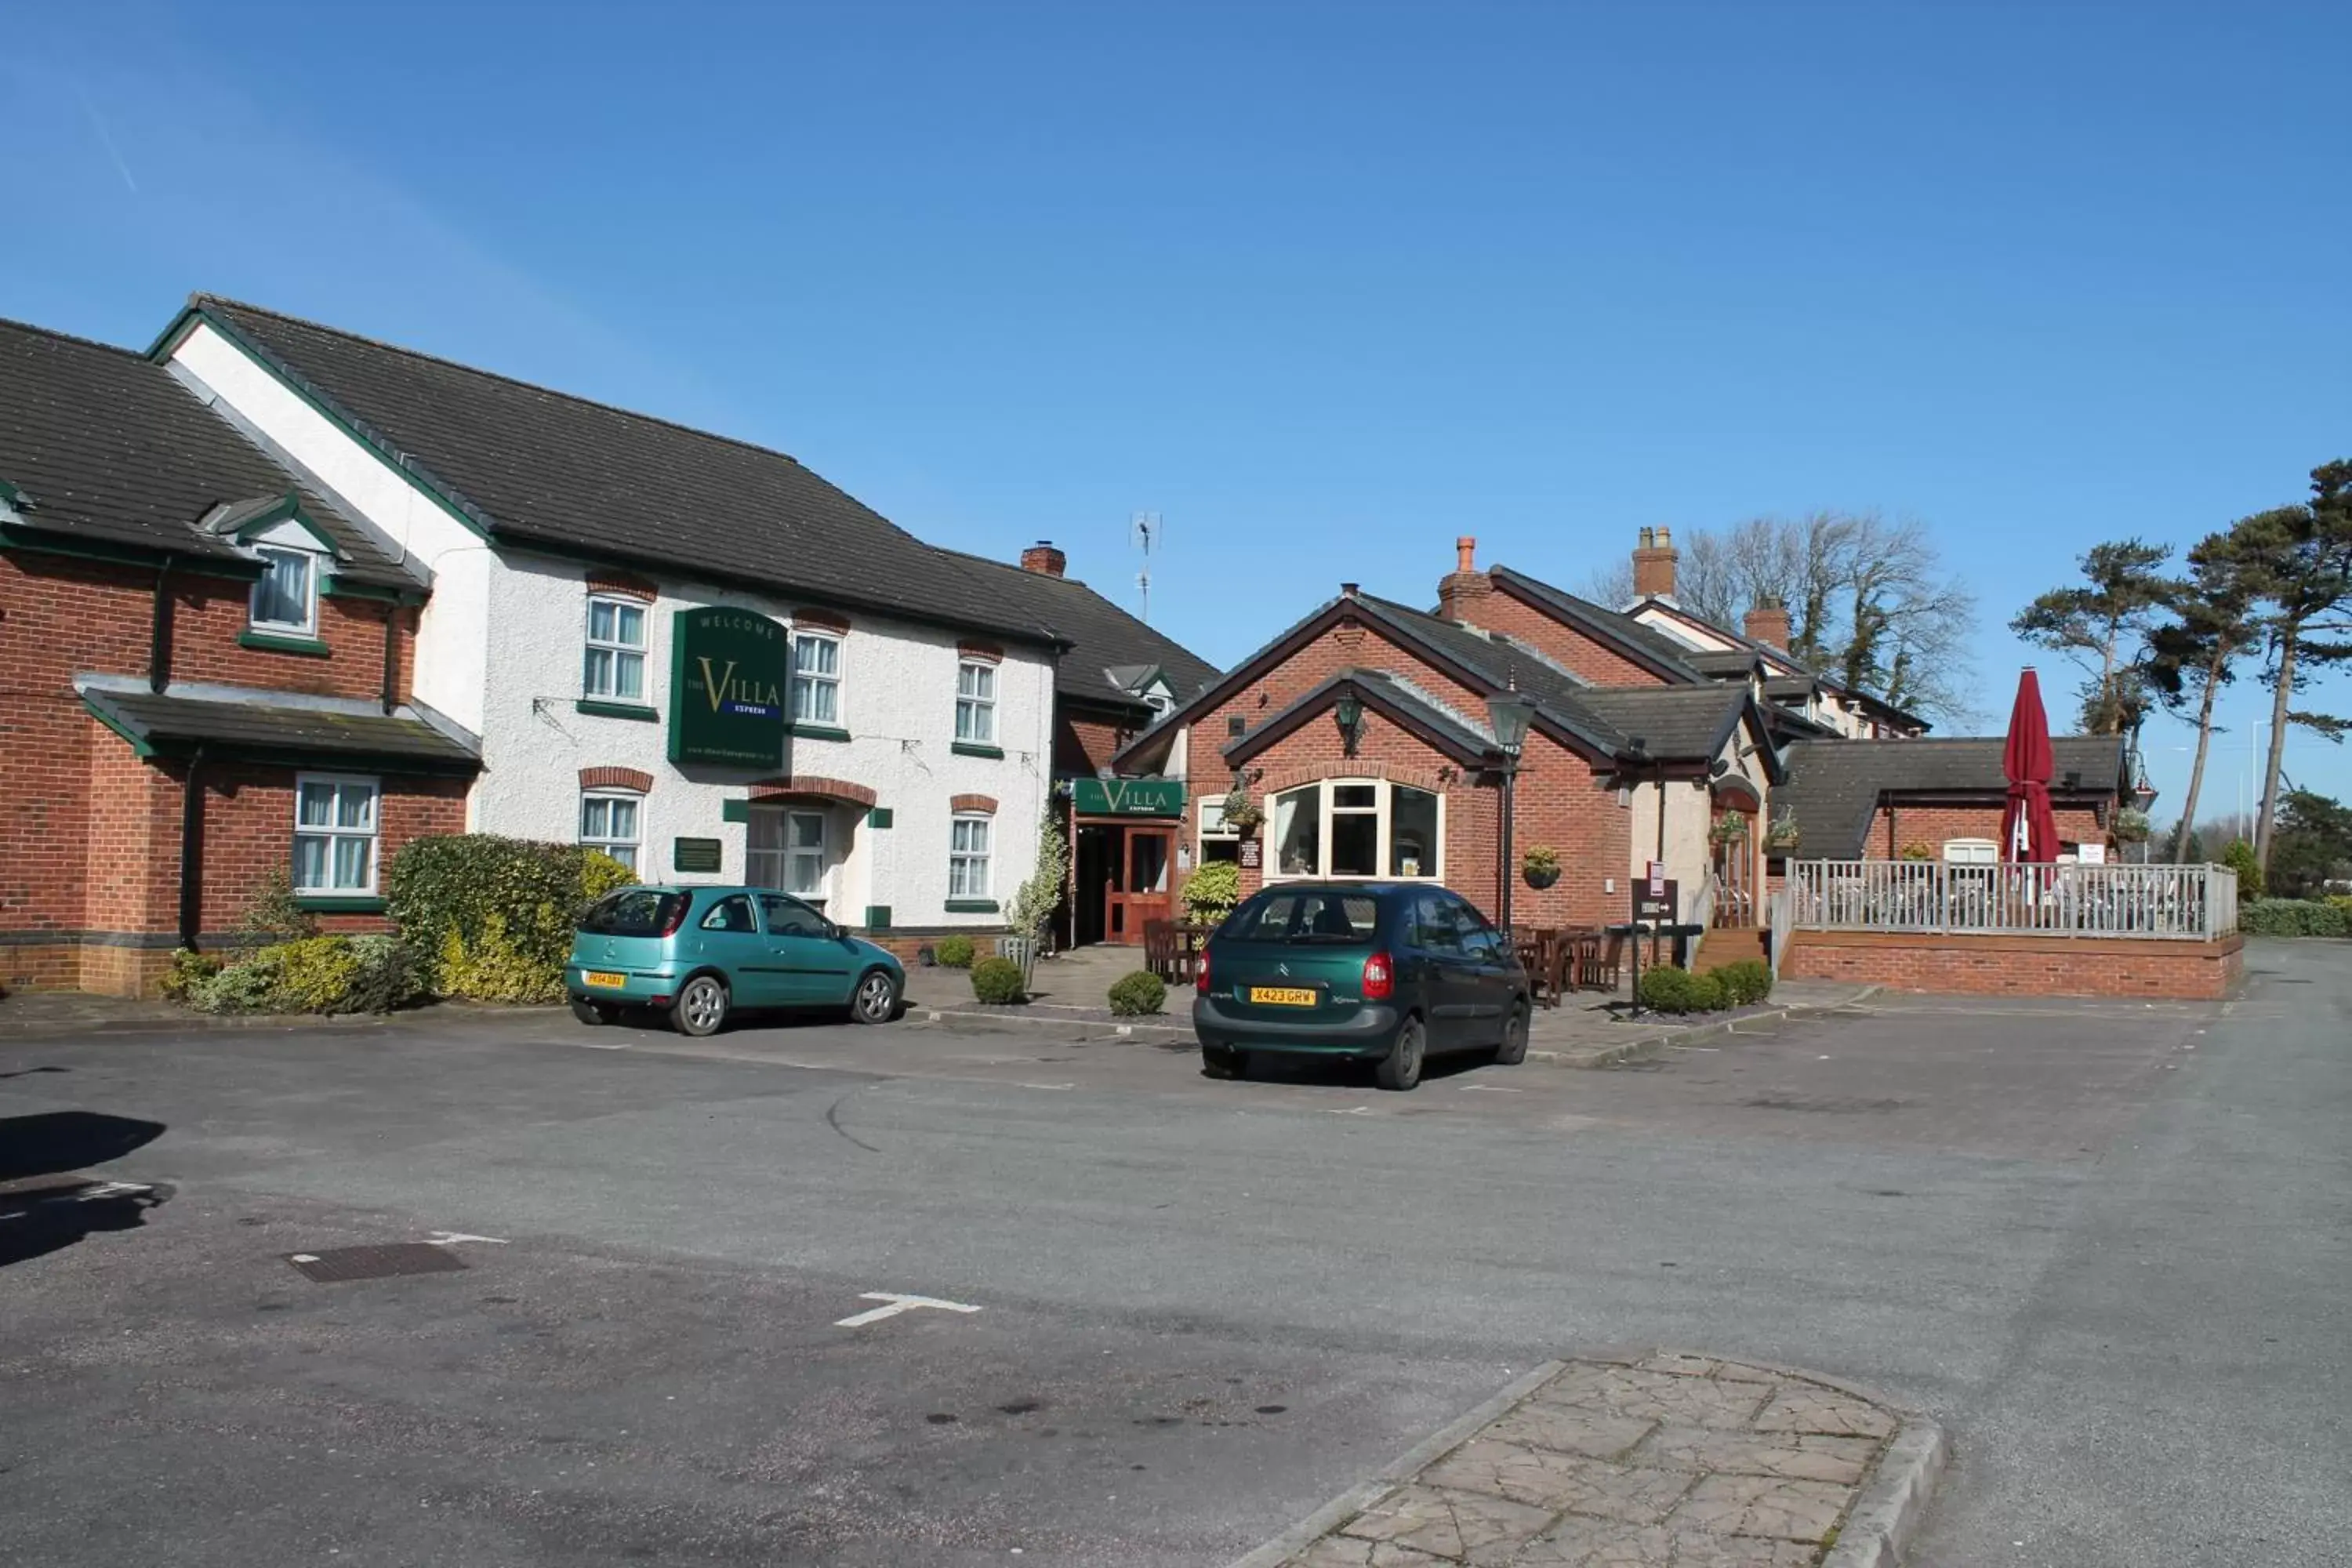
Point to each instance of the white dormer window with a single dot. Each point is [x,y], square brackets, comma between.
[285,599]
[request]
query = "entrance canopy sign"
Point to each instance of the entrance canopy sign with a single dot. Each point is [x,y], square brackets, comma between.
[1128,798]
[727,671]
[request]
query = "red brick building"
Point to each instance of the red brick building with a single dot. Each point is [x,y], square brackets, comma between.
[208,669]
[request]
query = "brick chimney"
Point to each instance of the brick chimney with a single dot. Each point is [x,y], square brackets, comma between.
[1654,564]
[1767,622]
[1459,591]
[1042,557]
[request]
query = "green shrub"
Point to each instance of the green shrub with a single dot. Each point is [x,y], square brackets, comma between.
[953,952]
[510,904]
[249,986]
[996,980]
[2240,857]
[314,975]
[1672,990]
[275,914]
[1749,980]
[1137,995]
[386,977]
[189,970]
[1211,891]
[2293,917]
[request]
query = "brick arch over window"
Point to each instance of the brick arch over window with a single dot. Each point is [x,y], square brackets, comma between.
[829,789]
[809,618]
[625,585]
[983,804]
[1395,772]
[987,651]
[616,778]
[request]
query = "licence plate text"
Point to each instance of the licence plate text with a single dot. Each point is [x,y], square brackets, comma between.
[1283,995]
[603,977]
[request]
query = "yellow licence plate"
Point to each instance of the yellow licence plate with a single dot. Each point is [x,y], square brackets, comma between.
[604,978]
[1283,995]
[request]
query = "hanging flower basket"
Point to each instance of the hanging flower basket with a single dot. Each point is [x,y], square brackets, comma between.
[1243,812]
[2132,826]
[1728,830]
[1540,867]
[1781,837]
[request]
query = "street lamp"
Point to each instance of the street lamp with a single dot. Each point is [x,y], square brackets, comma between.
[1348,711]
[1509,712]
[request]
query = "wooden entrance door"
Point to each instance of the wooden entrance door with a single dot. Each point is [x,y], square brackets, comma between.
[1137,889]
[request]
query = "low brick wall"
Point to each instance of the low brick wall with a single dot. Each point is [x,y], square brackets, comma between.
[2018,965]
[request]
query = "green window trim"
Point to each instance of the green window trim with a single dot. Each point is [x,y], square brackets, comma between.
[636,710]
[880,816]
[877,917]
[339,903]
[735,811]
[807,731]
[974,749]
[971,906]
[271,641]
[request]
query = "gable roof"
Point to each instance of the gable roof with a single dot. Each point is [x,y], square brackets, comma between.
[1645,646]
[101,445]
[1777,654]
[1675,721]
[1109,649]
[532,467]
[1451,732]
[1834,787]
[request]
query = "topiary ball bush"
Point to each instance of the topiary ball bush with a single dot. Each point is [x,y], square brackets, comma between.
[996,980]
[1746,982]
[1671,990]
[1137,995]
[953,952]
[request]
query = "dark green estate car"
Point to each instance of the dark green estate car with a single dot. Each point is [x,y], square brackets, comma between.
[1382,971]
[701,953]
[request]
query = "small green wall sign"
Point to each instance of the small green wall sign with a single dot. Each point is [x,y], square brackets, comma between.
[1128,798]
[727,675]
[702,855]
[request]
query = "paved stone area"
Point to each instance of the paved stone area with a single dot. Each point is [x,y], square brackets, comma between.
[1671,1460]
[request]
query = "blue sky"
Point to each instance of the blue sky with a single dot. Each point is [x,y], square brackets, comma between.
[1323,285]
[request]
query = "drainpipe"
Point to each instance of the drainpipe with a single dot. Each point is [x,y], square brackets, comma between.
[159,636]
[191,851]
[391,654]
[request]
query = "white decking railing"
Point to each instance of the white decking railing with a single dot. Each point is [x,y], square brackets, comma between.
[2186,903]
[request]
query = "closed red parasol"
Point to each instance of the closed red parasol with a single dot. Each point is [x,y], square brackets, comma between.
[2029,831]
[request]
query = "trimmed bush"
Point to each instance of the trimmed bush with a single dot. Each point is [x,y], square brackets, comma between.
[502,910]
[1137,995]
[953,952]
[996,980]
[317,975]
[1748,981]
[1211,891]
[1671,990]
[2293,917]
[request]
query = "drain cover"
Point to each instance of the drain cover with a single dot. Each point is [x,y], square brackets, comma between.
[376,1262]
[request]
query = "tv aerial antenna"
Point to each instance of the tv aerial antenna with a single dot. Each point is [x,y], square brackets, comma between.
[1143,529]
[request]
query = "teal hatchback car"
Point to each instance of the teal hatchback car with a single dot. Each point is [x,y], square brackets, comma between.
[701,954]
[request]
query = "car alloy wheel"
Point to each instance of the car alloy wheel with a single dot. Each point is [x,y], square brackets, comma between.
[1401,1068]
[876,998]
[701,1007]
[1514,1048]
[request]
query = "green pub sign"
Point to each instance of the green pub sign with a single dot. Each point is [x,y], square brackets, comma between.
[727,676]
[1128,798]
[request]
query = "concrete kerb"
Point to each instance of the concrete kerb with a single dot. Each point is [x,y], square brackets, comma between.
[1876,1532]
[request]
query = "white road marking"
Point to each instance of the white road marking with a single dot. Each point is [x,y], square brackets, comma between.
[451,1238]
[1491,1088]
[1049,1086]
[896,1304]
[303,1257]
[1351,1110]
[112,1190]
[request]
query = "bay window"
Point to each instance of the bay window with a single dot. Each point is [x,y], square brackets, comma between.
[1357,827]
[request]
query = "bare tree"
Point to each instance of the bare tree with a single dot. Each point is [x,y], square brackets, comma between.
[1870,602]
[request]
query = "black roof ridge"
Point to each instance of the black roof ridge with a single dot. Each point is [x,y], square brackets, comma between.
[199,300]
[75,338]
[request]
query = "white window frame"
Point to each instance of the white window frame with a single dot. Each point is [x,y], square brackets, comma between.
[615,646]
[332,830]
[308,626]
[1973,852]
[1383,808]
[978,706]
[829,682]
[608,841]
[985,857]
[783,855]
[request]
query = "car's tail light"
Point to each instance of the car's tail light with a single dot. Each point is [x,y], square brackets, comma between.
[676,916]
[1379,978]
[1201,974]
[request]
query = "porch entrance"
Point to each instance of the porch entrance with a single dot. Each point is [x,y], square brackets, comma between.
[1125,876]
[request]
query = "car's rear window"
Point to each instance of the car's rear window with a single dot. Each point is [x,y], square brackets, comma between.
[1310,914]
[633,911]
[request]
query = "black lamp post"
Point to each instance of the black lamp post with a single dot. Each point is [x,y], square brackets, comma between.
[1509,712]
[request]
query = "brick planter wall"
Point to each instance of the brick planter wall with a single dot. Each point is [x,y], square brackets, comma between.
[2018,965]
